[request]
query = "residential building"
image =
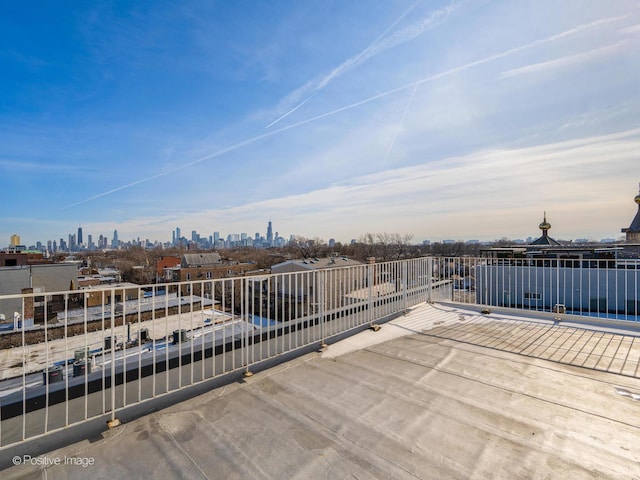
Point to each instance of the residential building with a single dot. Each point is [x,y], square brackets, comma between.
[299,285]
[42,278]
[632,232]
[202,267]
[547,276]
[545,239]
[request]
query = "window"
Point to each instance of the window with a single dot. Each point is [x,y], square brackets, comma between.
[532,296]
[209,275]
[188,276]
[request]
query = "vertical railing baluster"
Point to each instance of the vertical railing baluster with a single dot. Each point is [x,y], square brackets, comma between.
[103,354]
[370,267]
[154,368]
[244,314]
[113,357]
[46,369]
[66,356]
[86,357]
[166,338]
[125,335]
[321,303]
[139,316]
[24,372]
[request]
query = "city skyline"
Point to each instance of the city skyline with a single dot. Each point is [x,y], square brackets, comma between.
[442,120]
[73,241]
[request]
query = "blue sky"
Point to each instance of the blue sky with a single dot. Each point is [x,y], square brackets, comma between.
[456,119]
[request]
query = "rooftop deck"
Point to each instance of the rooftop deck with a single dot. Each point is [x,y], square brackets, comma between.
[441,392]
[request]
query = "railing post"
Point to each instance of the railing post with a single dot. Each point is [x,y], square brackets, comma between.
[245,315]
[557,282]
[321,303]
[404,285]
[113,422]
[370,266]
[370,276]
[429,274]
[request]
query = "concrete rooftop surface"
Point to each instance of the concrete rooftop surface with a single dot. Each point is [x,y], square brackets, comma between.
[440,393]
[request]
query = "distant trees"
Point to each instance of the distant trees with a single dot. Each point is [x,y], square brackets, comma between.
[383,246]
[455,249]
[261,258]
[302,247]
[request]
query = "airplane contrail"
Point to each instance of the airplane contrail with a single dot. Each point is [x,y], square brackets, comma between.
[292,110]
[461,68]
[414,85]
[371,50]
[400,123]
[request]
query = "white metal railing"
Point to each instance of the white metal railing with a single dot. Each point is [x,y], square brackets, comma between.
[77,355]
[604,288]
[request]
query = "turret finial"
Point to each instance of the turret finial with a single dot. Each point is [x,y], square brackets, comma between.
[544,226]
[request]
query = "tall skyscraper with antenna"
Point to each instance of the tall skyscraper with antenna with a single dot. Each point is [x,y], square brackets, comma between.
[270,234]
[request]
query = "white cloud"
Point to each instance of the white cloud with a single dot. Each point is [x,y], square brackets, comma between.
[633,29]
[571,180]
[37,167]
[568,60]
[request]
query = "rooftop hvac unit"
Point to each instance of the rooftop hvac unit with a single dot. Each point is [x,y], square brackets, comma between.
[143,335]
[179,336]
[80,353]
[52,375]
[108,342]
[81,367]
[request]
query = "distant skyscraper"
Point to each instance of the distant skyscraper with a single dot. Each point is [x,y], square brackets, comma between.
[216,237]
[15,240]
[269,233]
[115,242]
[80,239]
[178,235]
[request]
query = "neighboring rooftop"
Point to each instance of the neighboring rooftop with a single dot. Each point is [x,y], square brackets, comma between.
[545,239]
[442,392]
[190,260]
[314,264]
[633,232]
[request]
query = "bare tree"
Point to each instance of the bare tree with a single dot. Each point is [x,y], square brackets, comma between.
[383,246]
[308,247]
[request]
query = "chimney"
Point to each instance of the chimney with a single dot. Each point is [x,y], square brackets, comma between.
[28,304]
